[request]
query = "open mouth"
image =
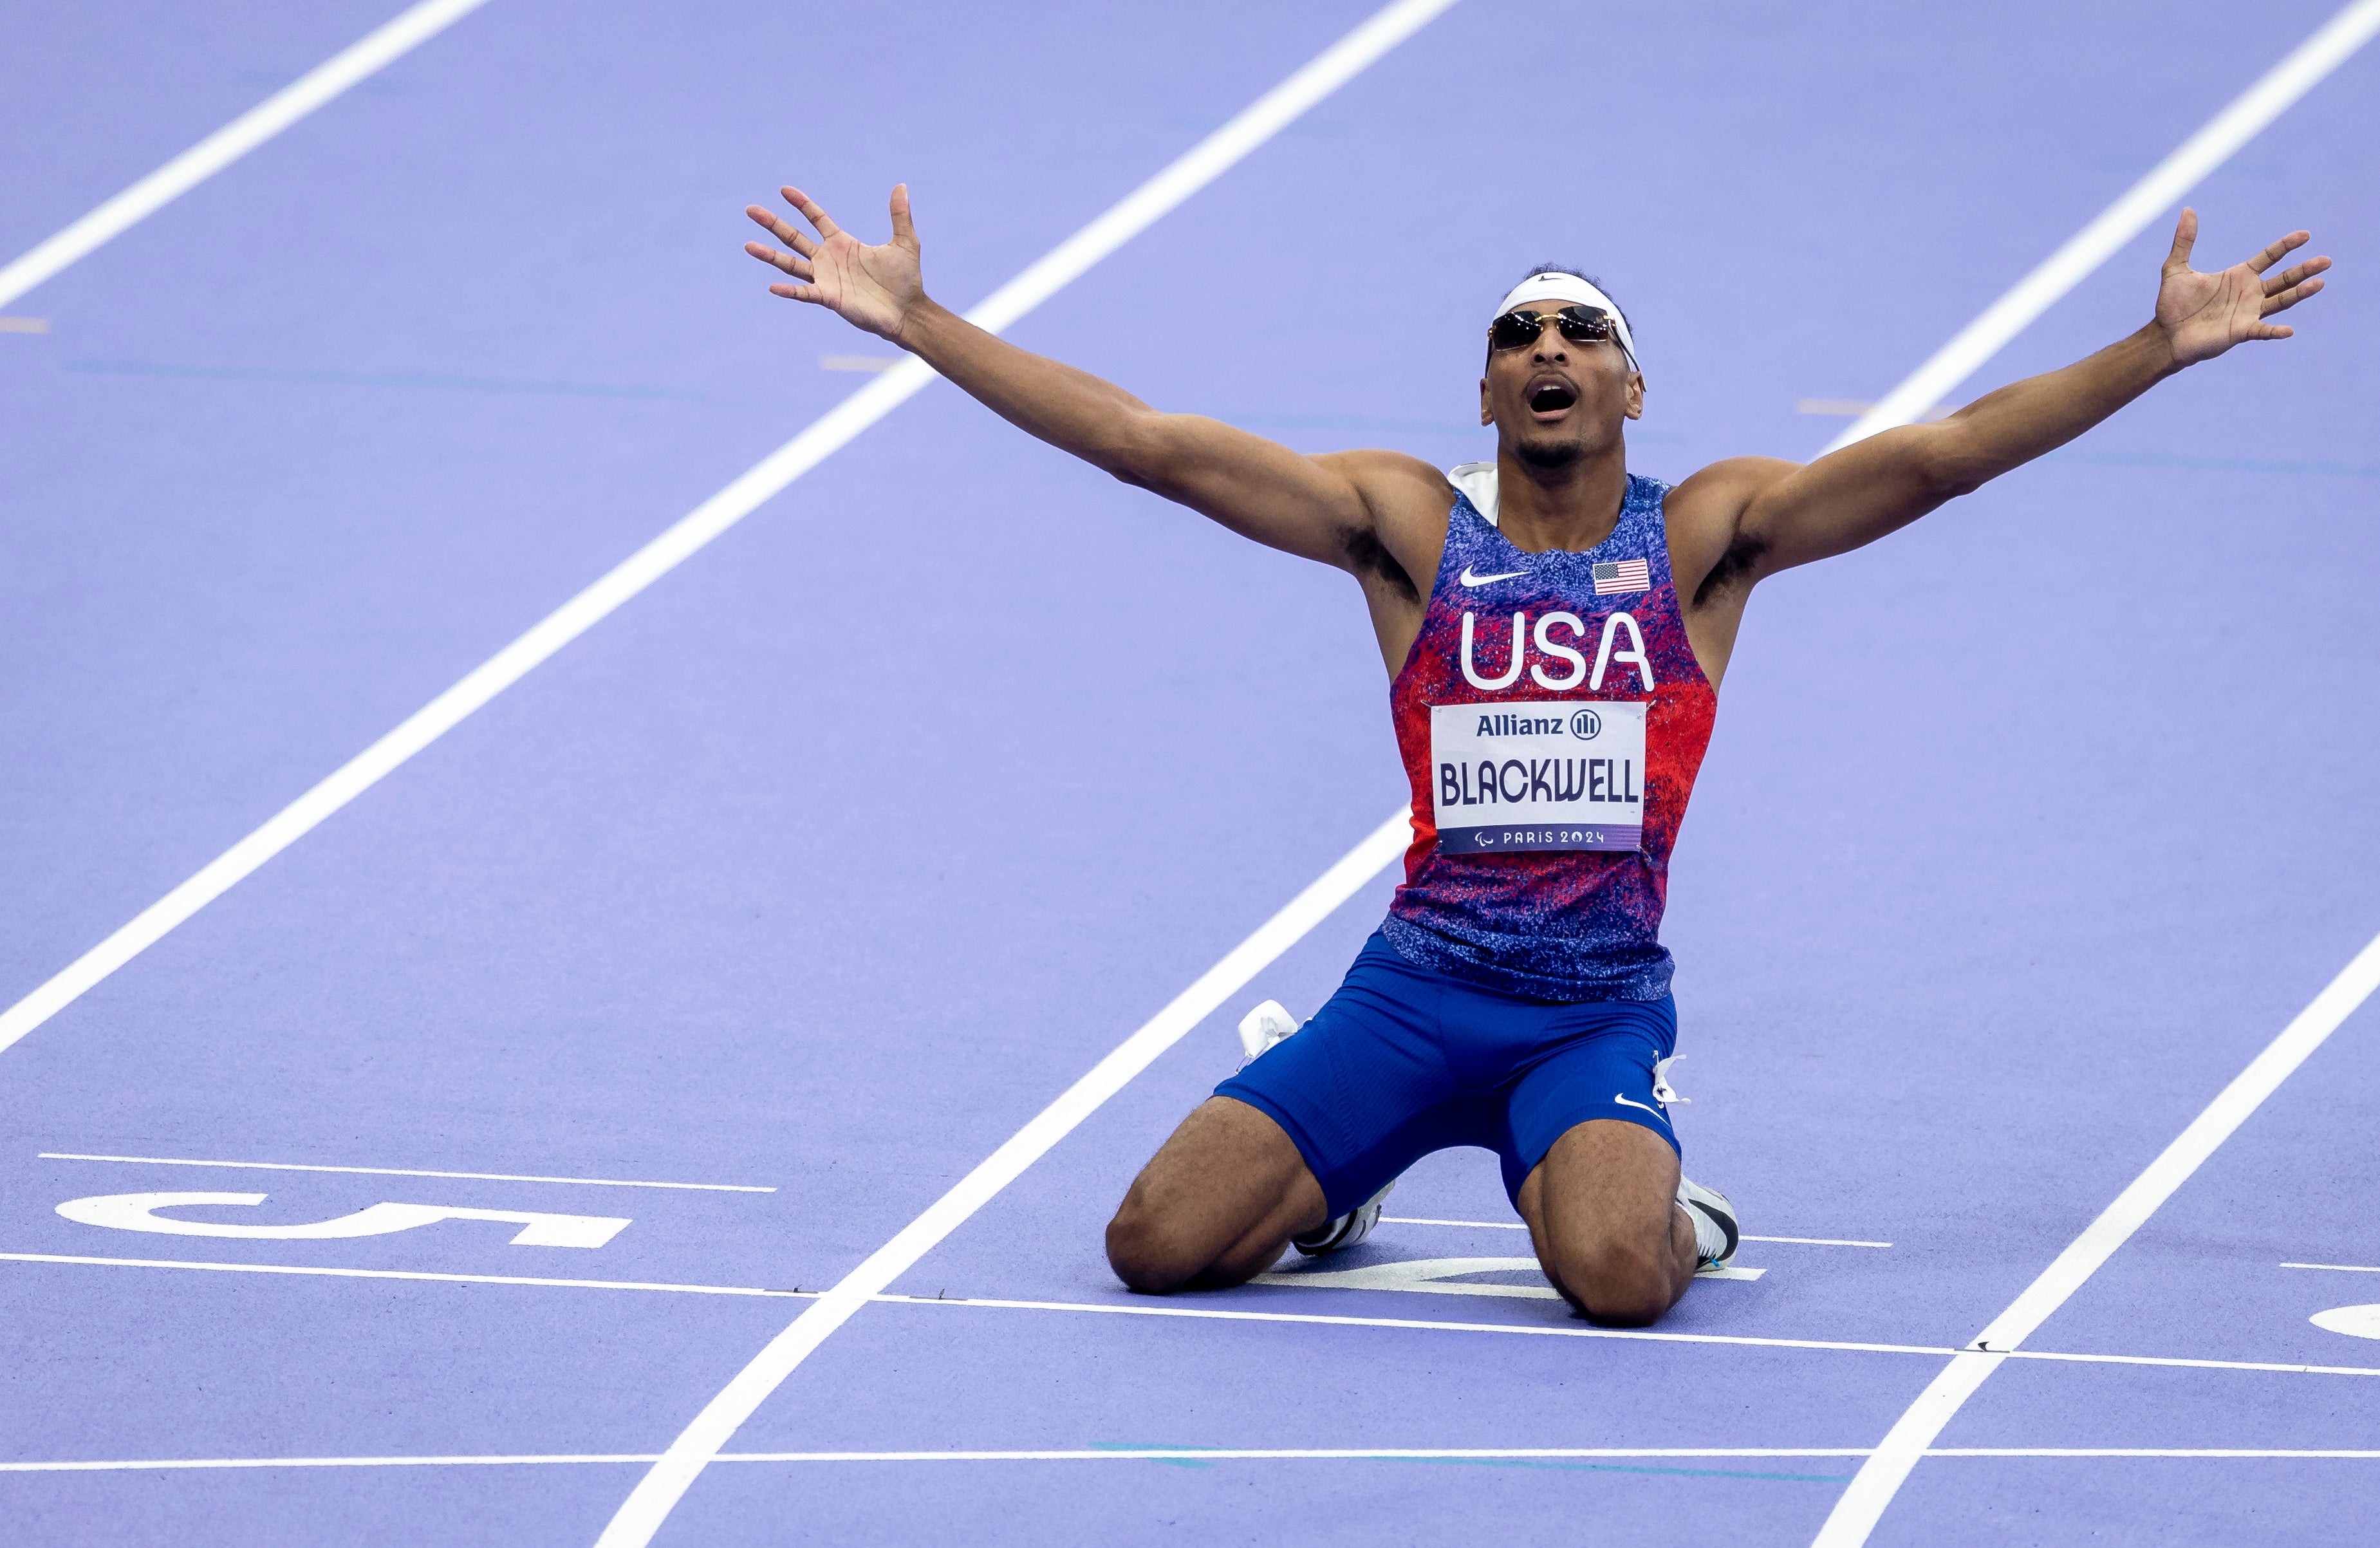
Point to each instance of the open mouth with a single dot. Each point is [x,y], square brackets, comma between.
[1550,397]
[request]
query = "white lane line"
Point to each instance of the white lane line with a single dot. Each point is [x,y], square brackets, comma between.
[1430,1325]
[2336,1268]
[1103,1454]
[403,1274]
[644,1510]
[2141,1451]
[642,1513]
[1880,1477]
[830,432]
[1181,1454]
[1519,1225]
[402,1172]
[1638,1334]
[2181,1364]
[24,324]
[176,1464]
[2331,45]
[1530,1330]
[374,51]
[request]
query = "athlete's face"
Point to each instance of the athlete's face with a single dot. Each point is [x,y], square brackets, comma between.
[1557,401]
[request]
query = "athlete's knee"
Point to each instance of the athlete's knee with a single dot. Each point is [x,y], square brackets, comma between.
[1146,1256]
[1619,1284]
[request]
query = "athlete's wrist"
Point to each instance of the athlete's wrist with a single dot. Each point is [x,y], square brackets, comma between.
[915,323]
[2156,340]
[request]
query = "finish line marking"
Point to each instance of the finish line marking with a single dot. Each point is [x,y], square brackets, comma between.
[1880,1477]
[1174,1453]
[1217,1314]
[1518,1225]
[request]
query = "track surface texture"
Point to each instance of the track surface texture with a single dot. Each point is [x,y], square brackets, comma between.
[816,870]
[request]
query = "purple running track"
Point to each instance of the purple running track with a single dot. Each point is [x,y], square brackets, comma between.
[826,863]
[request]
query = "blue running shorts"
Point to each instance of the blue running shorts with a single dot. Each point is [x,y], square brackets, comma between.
[1404,1061]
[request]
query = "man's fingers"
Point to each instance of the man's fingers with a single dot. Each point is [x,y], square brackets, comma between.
[2289,280]
[2280,250]
[783,230]
[810,211]
[797,267]
[2185,237]
[2273,330]
[2289,298]
[798,293]
[903,232]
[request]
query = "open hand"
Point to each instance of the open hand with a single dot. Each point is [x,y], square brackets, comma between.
[2203,315]
[870,288]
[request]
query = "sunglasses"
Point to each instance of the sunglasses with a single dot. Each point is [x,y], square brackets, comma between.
[1580,324]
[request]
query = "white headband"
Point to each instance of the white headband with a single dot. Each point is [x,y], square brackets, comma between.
[1556,287]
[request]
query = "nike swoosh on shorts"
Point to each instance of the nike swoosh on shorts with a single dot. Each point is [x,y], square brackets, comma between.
[1640,1108]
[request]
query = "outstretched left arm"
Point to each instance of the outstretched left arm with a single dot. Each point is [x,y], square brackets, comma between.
[1791,514]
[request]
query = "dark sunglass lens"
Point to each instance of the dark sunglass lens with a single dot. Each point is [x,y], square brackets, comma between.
[1584,326]
[1514,330]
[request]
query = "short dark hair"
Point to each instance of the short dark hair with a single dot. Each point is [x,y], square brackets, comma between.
[1575,270]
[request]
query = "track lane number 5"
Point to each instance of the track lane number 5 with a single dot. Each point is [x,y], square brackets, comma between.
[138,1212]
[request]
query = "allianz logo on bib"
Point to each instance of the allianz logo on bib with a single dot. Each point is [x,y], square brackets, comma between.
[1572,669]
[1585,725]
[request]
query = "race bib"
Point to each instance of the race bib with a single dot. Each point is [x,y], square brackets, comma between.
[1538,776]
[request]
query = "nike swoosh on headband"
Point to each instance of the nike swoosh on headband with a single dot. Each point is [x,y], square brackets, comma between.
[1554,285]
[1470,579]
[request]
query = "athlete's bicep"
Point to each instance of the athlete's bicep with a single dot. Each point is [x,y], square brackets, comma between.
[1844,500]
[1317,508]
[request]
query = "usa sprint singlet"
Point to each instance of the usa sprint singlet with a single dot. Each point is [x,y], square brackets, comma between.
[1552,718]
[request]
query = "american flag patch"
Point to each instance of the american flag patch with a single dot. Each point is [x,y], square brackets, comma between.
[1626,574]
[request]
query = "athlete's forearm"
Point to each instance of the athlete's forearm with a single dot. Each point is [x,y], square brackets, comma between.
[1255,487]
[1852,498]
[2010,427]
[1072,409]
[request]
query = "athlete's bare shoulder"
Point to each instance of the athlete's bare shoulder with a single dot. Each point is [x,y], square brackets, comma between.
[1407,501]
[1711,558]
[1393,480]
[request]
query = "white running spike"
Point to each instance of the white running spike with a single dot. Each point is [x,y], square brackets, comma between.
[1266,1025]
[1663,1093]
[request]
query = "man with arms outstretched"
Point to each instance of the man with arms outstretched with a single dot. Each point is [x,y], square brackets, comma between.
[1555,629]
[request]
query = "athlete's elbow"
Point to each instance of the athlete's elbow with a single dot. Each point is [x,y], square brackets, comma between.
[1949,464]
[1136,450]
[1952,480]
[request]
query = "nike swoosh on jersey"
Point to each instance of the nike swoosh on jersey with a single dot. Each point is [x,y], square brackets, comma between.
[1470,579]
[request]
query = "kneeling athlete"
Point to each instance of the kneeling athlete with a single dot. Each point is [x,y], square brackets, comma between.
[1555,629]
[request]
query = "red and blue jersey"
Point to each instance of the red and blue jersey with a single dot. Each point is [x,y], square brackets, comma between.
[1552,717]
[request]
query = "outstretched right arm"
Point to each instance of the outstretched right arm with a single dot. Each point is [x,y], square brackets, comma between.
[1319,508]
